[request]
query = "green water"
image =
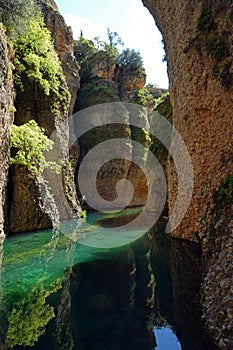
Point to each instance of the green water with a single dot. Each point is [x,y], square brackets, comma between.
[58,293]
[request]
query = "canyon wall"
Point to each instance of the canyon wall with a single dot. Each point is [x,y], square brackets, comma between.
[51,112]
[198,43]
[64,45]
[202,102]
[6,117]
[104,81]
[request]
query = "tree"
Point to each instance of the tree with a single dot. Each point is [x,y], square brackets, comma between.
[132,60]
[28,142]
[36,58]
[113,42]
[83,48]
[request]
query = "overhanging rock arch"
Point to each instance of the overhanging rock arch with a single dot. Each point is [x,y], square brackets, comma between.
[199,56]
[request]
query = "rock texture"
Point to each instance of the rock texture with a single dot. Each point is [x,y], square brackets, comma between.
[201,106]
[198,43]
[33,103]
[26,209]
[6,117]
[64,45]
[103,81]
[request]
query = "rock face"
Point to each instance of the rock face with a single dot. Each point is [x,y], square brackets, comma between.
[25,198]
[201,103]
[198,43]
[63,42]
[103,81]
[51,113]
[6,117]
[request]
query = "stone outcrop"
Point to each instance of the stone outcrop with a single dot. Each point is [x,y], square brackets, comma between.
[26,208]
[6,117]
[201,106]
[198,43]
[64,45]
[51,113]
[103,81]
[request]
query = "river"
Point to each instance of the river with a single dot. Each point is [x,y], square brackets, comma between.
[57,292]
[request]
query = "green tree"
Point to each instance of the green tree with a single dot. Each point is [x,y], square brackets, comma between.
[28,144]
[146,98]
[113,42]
[132,60]
[83,48]
[36,58]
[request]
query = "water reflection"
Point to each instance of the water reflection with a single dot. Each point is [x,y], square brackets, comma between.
[62,295]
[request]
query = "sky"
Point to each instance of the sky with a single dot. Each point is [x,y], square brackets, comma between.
[132,22]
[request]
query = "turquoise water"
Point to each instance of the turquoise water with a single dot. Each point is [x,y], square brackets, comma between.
[59,293]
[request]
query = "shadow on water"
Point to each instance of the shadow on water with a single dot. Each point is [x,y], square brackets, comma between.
[91,299]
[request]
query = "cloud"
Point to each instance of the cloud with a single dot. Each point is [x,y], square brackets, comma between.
[89,28]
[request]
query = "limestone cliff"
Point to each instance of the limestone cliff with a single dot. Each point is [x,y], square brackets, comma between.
[64,45]
[50,112]
[6,117]
[201,104]
[198,43]
[103,80]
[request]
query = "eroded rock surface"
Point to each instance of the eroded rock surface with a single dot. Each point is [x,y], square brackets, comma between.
[198,43]
[6,117]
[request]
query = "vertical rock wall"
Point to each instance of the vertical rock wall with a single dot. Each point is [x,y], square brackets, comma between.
[202,104]
[32,103]
[6,117]
[198,40]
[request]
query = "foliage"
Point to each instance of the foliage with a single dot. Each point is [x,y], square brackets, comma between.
[14,13]
[128,58]
[84,215]
[30,316]
[164,107]
[224,194]
[141,136]
[28,142]
[145,97]
[36,58]
[214,38]
[131,59]
[83,48]
[112,45]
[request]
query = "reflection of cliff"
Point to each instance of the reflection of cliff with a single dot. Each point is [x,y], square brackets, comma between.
[109,310]
[105,304]
[186,272]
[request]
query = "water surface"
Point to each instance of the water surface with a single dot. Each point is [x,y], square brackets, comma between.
[58,293]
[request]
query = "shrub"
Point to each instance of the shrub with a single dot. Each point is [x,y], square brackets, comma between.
[83,48]
[28,142]
[132,60]
[36,58]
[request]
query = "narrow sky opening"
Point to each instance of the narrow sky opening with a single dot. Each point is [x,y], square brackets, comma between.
[130,19]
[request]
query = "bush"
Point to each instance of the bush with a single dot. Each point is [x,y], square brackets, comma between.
[28,142]
[83,48]
[132,60]
[36,58]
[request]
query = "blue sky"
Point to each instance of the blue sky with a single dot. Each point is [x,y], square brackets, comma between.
[130,19]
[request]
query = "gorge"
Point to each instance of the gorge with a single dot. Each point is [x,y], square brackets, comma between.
[198,42]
